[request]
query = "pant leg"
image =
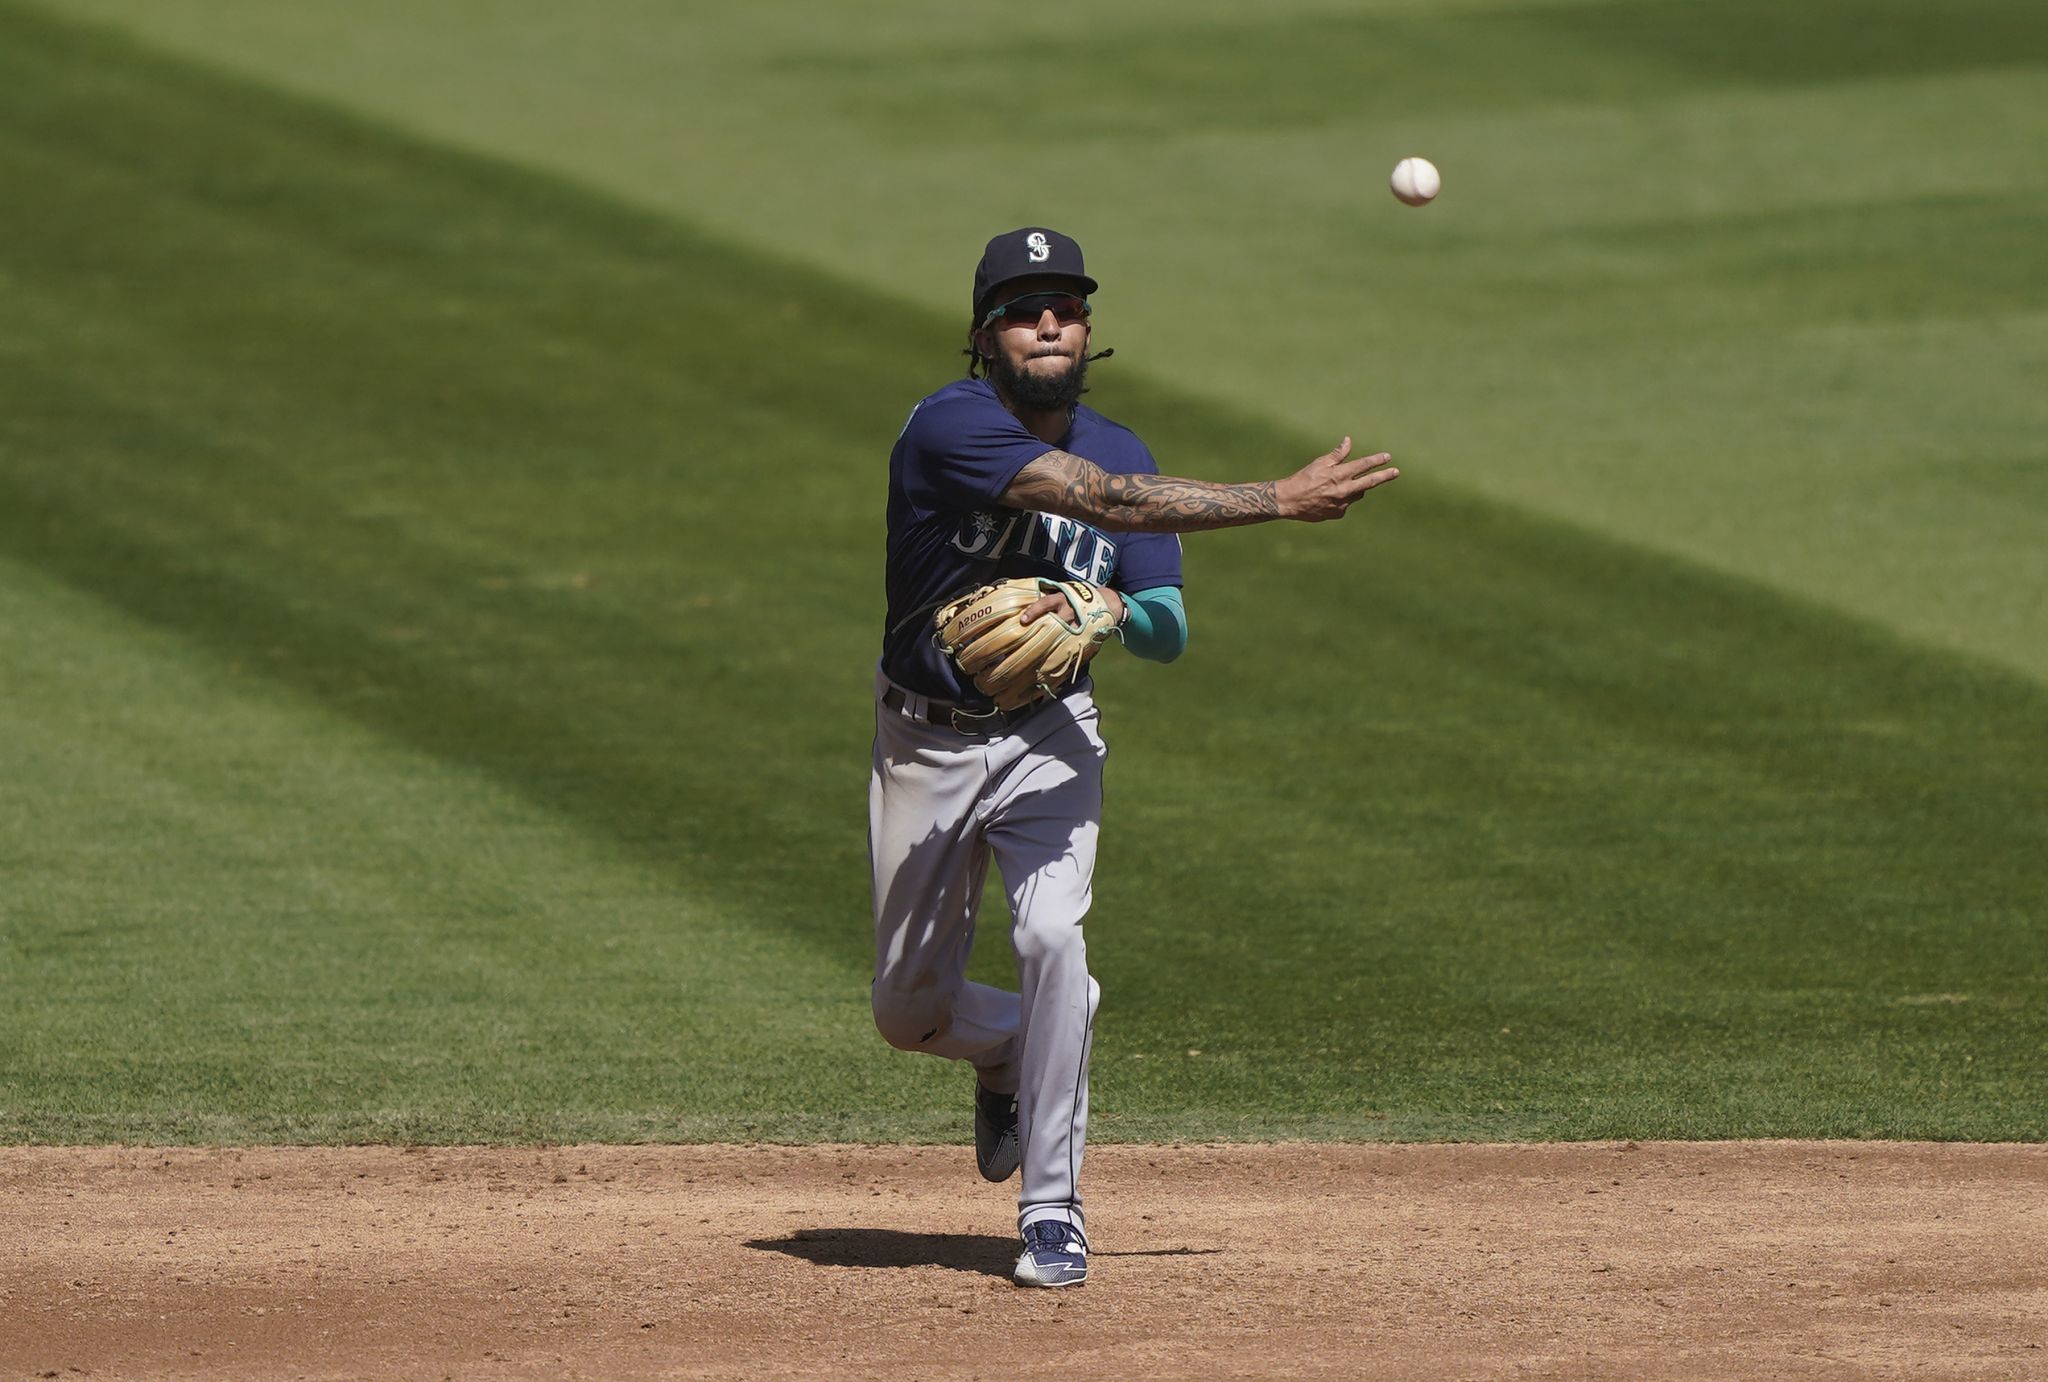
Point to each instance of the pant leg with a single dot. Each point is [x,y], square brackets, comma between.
[1044,818]
[930,859]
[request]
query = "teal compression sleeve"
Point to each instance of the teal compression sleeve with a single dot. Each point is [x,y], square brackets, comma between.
[1157,628]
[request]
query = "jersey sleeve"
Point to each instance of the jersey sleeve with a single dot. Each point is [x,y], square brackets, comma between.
[1147,561]
[961,451]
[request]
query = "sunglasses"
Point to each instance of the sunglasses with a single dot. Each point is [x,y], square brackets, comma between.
[1066,309]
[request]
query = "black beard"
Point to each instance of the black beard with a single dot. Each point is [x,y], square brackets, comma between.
[1040,393]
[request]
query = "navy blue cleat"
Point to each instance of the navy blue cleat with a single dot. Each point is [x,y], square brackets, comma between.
[1055,1254]
[996,1149]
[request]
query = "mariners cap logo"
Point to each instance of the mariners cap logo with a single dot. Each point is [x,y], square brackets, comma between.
[1026,252]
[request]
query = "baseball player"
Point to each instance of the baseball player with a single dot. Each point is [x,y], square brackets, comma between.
[1006,473]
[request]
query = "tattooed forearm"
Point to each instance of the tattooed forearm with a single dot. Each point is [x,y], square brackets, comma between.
[1076,488]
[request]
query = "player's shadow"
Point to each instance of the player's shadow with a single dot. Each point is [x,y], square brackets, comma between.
[982,1253]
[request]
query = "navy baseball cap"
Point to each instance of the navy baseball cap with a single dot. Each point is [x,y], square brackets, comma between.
[1026,253]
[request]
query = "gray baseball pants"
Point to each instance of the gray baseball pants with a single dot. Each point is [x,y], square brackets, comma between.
[940,806]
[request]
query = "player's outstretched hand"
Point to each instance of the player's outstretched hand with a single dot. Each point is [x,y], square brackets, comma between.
[1330,484]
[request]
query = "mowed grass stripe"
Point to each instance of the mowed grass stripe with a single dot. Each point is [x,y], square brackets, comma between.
[232,915]
[1282,68]
[1453,823]
[1687,850]
[1223,163]
[205,442]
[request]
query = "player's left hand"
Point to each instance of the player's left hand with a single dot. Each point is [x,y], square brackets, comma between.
[984,633]
[1049,603]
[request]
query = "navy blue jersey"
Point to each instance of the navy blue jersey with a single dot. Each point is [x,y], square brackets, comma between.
[949,532]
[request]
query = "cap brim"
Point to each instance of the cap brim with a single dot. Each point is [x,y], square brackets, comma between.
[994,294]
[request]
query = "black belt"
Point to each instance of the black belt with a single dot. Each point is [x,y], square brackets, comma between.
[959,718]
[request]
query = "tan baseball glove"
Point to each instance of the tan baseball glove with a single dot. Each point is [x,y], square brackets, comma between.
[1015,664]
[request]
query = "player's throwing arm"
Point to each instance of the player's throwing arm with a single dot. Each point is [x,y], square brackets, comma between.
[1073,487]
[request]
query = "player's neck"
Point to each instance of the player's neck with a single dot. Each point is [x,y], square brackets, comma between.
[1046,424]
[1049,428]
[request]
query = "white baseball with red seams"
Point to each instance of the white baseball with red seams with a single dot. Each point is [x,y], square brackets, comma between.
[1416,181]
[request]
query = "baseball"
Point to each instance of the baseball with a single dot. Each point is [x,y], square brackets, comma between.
[1416,181]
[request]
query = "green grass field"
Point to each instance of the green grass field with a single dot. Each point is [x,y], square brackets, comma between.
[440,529]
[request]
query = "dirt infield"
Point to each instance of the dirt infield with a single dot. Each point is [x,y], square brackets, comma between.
[1785,1259]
